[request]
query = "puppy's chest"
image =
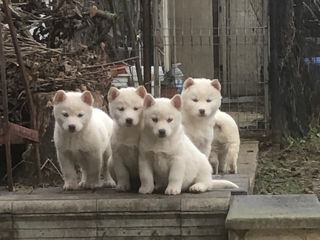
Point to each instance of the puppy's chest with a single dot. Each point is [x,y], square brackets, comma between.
[76,144]
[161,163]
[127,152]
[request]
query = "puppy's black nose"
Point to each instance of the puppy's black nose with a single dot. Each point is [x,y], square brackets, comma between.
[72,128]
[162,133]
[202,112]
[129,121]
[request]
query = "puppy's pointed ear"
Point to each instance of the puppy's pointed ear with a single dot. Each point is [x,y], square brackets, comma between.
[141,91]
[113,94]
[87,98]
[176,101]
[216,84]
[59,97]
[187,83]
[148,101]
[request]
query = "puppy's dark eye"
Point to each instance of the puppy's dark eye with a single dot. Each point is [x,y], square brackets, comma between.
[209,100]
[80,115]
[135,108]
[195,100]
[155,119]
[65,114]
[121,109]
[169,120]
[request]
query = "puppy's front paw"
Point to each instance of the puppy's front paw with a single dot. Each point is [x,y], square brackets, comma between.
[146,189]
[198,187]
[87,185]
[70,186]
[122,187]
[172,191]
[110,183]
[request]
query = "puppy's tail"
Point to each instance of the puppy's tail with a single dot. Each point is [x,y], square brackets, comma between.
[222,184]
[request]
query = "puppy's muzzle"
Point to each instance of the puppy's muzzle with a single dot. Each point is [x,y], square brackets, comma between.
[129,121]
[202,112]
[72,128]
[162,133]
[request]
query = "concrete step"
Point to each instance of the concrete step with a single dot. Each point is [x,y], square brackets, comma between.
[288,216]
[56,214]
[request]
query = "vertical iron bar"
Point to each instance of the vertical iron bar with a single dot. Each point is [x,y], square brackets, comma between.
[147,44]
[266,54]
[215,39]
[5,113]
[155,49]
[114,30]
[20,61]
[135,45]
[33,120]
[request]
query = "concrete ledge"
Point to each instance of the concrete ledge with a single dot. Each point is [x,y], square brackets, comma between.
[242,180]
[53,206]
[52,213]
[276,234]
[274,212]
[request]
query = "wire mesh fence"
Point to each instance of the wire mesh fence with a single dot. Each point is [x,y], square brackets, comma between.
[224,39]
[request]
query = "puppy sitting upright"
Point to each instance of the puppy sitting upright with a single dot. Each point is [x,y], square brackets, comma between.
[126,107]
[82,136]
[201,99]
[167,157]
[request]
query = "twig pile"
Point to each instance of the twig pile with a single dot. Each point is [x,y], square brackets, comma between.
[50,70]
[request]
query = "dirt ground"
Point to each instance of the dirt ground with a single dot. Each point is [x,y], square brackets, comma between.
[293,169]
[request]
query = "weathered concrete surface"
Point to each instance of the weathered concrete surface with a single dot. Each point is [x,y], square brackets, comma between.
[55,214]
[276,234]
[242,180]
[274,212]
[247,160]
[247,164]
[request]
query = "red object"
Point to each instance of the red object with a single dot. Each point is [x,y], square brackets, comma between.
[120,68]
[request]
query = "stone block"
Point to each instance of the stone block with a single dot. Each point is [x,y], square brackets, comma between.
[274,212]
[5,207]
[104,213]
[202,219]
[275,234]
[136,205]
[206,202]
[60,233]
[56,221]
[54,206]
[242,180]
[136,220]
[138,232]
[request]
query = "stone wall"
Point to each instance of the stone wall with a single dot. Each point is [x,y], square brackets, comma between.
[282,217]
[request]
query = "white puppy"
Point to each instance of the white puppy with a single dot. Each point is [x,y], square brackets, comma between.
[82,136]
[167,157]
[201,99]
[126,107]
[226,143]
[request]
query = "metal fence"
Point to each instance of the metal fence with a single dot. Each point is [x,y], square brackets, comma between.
[224,39]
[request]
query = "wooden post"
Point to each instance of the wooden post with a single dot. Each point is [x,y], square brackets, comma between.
[147,44]
[114,30]
[155,49]
[135,49]
[33,120]
[5,113]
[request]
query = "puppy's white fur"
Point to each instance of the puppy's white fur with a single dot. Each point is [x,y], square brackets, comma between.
[126,106]
[226,143]
[201,99]
[82,136]
[167,157]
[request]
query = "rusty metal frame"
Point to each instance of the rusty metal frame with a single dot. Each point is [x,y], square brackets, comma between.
[12,133]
